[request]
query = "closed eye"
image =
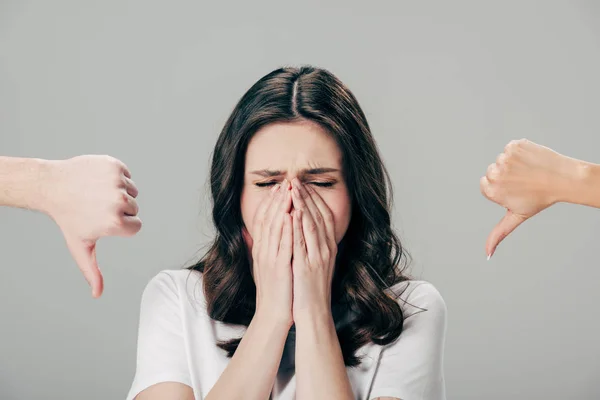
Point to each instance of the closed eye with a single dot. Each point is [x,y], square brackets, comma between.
[320,184]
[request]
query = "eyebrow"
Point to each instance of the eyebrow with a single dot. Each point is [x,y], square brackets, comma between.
[306,171]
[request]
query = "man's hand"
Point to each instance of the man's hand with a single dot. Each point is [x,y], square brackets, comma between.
[89,197]
[525,179]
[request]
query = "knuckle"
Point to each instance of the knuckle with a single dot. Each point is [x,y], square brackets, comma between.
[502,159]
[318,219]
[492,172]
[511,146]
[122,198]
[484,186]
[138,225]
[492,192]
[120,181]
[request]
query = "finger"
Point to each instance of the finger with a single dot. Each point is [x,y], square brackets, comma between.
[125,171]
[310,231]
[131,224]
[125,226]
[501,159]
[247,237]
[130,187]
[492,172]
[276,205]
[313,220]
[276,228]
[286,244]
[299,242]
[261,212]
[84,254]
[267,231]
[303,201]
[325,212]
[130,206]
[484,187]
[507,224]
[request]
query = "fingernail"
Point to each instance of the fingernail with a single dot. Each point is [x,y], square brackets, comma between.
[489,256]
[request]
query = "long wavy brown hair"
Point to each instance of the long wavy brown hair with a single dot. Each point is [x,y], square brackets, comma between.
[370,256]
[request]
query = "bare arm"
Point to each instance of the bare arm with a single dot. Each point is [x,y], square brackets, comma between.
[167,391]
[88,197]
[249,375]
[251,372]
[21,182]
[527,178]
[585,188]
[320,369]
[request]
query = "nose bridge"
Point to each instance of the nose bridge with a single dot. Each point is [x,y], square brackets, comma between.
[291,174]
[292,171]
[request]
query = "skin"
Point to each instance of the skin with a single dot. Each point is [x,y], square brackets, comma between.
[292,228]
[527,178]
[287,151]
[89,197]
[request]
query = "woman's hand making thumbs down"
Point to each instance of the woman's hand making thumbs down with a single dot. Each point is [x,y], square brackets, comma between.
[526,179]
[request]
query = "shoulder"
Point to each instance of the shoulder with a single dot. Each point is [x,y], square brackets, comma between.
[417,296]
[169,286]
[178,278]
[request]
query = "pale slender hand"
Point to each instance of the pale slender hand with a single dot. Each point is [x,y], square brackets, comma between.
[524,180]
[89,197]
[271,243]
[315,251]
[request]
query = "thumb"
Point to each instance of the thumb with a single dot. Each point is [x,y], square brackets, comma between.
[84,254]
[507,224]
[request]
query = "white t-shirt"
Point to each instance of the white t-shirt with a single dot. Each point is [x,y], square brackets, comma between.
[177,343]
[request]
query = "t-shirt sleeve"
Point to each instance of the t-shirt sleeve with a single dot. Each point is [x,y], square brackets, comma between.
[161,353]
[411,368]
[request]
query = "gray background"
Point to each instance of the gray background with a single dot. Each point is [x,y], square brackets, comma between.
[444,87]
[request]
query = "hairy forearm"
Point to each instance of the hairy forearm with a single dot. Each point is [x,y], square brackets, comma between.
[23,182]
[251,372]
[320,369]
[584,189]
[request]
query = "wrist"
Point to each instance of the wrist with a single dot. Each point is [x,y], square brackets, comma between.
[580,175]
[45,187]
[585,187]
[571,175]
[313,315]
[274,320]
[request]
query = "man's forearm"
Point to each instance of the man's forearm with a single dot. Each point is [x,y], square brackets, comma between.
[585,188]
[252,370]
[320,369]
[22,182]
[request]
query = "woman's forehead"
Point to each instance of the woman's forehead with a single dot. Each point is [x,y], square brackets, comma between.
[298,145]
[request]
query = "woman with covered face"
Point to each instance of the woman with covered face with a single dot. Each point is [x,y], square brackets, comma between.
[303,293]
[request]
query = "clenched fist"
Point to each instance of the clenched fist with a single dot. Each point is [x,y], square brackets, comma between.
[525,179]
[89,197]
